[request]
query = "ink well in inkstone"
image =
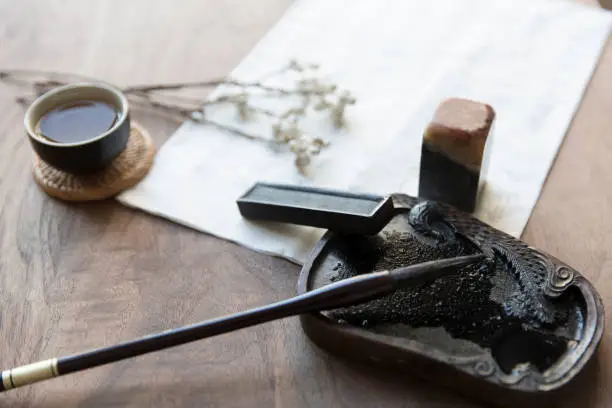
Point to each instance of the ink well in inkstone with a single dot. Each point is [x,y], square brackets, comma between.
[455,152]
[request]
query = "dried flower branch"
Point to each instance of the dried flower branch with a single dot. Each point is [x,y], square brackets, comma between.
[314,95]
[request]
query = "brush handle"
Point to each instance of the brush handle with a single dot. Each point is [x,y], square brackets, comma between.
[346,292]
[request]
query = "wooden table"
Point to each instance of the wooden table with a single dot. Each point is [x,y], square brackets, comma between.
[73,277]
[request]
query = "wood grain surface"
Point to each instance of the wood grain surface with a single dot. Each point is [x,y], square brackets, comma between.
[74,277]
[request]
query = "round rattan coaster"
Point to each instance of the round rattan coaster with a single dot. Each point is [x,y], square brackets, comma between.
[124,172]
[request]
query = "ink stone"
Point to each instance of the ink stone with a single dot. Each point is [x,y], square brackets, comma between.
[512,330]
[453,155]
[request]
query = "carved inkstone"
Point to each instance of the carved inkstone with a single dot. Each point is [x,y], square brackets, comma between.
[516,328]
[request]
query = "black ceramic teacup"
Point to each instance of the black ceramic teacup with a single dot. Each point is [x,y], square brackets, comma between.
[88,155]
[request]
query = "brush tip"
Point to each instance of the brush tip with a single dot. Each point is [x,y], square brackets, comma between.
[431,270]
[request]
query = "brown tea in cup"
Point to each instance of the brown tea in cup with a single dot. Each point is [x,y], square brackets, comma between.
[77,121]
[79,128]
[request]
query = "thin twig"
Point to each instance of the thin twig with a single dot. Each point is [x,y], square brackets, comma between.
[194,102]
[172,87]
[210,84]
[232,129]
[16,73]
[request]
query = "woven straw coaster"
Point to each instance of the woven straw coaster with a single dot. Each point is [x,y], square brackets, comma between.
[124,172]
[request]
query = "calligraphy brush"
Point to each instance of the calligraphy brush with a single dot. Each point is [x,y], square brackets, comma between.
[347,292]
